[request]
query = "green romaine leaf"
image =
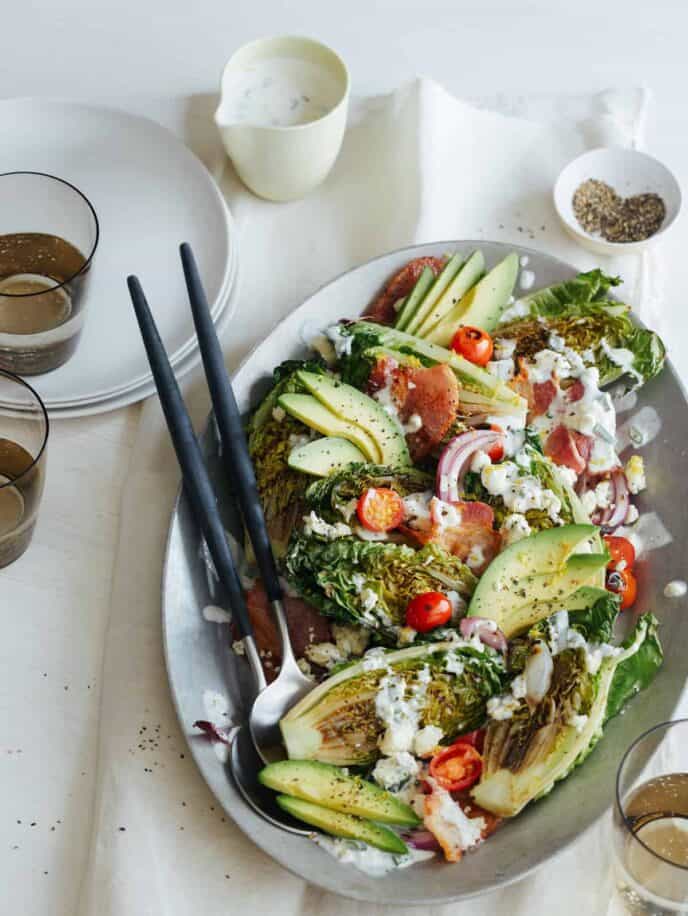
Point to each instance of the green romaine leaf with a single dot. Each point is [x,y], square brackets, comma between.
[635,672]
[557,300]
[371,582]
[596,623]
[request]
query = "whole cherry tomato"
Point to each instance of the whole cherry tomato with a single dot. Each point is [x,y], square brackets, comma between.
[380,509]
[473,344]
[427,611]
[457,767]
[621,551]
[622,582]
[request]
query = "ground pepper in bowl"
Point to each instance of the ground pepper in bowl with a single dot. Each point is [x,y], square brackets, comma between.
[600,210]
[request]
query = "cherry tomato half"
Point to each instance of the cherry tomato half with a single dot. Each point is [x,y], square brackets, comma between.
[622,582]
[473,344]
[380,509]
[427,611]
[457,766]
[496,453]
[621,551]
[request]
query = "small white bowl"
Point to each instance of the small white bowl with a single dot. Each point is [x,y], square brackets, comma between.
[629,172]
[284,162]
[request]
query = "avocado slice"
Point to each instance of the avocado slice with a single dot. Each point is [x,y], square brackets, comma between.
[482,305]
[536,597]
[542,568]
[323,456]
[352,405]
[414,298]
[467,277]
[344,825]
[444,278]
[310,411]
[327,785]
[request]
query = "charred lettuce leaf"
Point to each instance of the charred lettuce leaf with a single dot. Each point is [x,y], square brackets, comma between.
[270,440]
[371,582]
[599,329]
[337,722]
[526,754]
[334,497]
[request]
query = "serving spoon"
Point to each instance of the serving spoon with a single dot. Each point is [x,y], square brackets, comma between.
[291,684]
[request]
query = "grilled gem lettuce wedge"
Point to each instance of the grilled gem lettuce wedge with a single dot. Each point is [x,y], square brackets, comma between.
[525,755]
[327,785]
[344,825]
[337,721]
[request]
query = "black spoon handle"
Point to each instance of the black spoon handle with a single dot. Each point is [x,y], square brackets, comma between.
[194,473]
[230,426]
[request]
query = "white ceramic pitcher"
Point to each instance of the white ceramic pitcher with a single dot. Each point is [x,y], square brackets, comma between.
[276,161]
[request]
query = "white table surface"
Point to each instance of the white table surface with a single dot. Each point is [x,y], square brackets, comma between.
[105,51]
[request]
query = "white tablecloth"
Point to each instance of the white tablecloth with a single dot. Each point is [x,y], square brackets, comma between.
[134,817]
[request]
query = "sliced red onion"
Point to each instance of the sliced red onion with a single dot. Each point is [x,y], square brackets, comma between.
[617,511]
[212,731]
[456,457]
[422,839]
[488,632]
[538,673]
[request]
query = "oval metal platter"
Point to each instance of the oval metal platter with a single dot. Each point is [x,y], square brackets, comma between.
[201,664]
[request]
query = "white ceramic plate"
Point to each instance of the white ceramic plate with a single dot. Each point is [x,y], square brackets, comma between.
[145,389]
[199,659]
[150,194]
[223,311]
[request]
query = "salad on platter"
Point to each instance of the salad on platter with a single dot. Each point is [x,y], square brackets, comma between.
[445,495]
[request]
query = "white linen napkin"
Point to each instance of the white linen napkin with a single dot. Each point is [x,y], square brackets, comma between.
[417,165]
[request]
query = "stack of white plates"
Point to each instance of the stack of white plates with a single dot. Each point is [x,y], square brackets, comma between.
[150,194]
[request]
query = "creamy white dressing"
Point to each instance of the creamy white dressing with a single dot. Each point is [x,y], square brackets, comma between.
[520,492]
[214,614]
[393,772]
[624,400]
[399,707]
[622,358]
[503,369]
[426,740]
[648,533]
[526,279]
[313,524]
[515,528]
[278,92]
[367,859]
[675,589]
[639,430]
[592,414]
